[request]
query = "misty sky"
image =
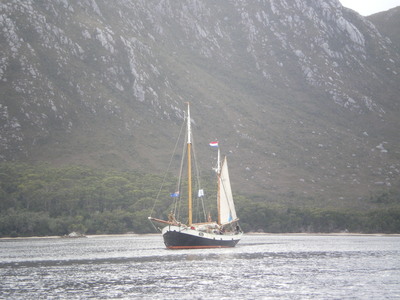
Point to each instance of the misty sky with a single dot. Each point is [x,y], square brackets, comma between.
[369,7]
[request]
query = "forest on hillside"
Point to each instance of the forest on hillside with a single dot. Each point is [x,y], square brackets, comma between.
[43,200]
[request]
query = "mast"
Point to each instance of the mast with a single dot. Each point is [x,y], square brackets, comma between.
[219,187]
[189,144]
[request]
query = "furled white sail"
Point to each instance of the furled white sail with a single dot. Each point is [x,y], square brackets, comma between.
[227,207]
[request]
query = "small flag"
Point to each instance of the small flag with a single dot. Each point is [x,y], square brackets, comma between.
[176,194]
[200,193]
[214,144]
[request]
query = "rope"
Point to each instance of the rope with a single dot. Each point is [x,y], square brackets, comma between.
[166,173]
[177,202]
[198,181]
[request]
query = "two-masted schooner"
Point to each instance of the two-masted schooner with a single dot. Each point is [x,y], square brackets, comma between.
[225,232]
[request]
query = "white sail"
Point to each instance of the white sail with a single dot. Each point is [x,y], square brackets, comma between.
[227,207]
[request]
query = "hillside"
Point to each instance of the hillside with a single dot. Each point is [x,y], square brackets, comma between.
[388,23]
[302,95]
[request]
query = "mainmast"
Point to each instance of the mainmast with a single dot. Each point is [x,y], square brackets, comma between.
[189,144]
[218,170]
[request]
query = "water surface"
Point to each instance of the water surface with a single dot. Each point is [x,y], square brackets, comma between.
[259,267]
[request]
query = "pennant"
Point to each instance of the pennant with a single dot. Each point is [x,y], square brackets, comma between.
[200,193]
[176,194]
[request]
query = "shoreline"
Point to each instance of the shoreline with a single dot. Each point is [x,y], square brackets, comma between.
[247,233]
[78,237]
[324,234]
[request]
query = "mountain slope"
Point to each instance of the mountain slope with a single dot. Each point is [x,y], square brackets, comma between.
[303,95]
[388,23]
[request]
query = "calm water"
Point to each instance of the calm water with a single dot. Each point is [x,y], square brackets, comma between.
[260,267]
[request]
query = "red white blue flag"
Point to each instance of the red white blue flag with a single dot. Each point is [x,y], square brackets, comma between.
[214,144]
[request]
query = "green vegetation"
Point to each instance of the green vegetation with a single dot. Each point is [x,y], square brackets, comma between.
[261,217]
[44,200]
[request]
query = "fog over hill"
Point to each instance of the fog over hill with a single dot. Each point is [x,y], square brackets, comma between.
[303,95]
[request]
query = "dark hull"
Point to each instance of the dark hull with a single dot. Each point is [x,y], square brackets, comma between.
[181,240]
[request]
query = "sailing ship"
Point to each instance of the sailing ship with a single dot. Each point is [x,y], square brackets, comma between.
[225,232]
